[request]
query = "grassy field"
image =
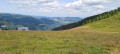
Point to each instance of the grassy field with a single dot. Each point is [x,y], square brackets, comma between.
[111,24]
[102,37]
[61,42]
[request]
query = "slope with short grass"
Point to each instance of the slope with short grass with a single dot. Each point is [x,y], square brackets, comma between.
[111,24]
[100,37]
[90,19]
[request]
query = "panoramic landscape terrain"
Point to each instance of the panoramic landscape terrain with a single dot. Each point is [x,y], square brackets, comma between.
[59,33]
[12,21]
[98,37]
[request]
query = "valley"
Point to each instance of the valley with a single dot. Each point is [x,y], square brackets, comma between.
[98,37]
[12,21]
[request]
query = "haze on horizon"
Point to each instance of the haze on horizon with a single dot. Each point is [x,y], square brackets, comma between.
[58,8]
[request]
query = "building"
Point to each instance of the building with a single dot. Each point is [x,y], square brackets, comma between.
[23,28]
[3,26]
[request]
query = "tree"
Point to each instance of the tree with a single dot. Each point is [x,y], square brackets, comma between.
[16,28]
[4,28]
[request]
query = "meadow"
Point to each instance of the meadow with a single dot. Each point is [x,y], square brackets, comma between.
[59,42]
[101,37]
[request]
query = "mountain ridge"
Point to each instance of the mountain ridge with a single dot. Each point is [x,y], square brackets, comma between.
[15,20]
[90,19]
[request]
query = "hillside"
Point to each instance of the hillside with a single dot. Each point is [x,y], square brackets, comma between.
[67,20]
[16,20]
[62,20]
[98,37]
[111,24]
[90,19]
[87,39]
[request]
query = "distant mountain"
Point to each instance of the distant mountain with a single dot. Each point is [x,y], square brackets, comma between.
[63,20]
[67,20]
[34,23]
[39,17]
[15,20]
[90,19]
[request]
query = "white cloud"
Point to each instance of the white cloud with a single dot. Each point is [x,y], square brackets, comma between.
[96,2]
[76,3]
[88,5]
[98,11]
[30,2]
[99,6]
[95,6]
[37,5]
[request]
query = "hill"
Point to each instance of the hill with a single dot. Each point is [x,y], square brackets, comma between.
[62,20]
[90,19]
[16,20]
[98,37]
[111,24]
[67,20]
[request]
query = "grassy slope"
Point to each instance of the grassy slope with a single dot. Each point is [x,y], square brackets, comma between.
[111,24]
[102,37]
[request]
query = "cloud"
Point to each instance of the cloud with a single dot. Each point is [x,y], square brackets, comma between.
[51,6]
[30,2]
[99,6]
[87,3]
[96,6]
[96,2]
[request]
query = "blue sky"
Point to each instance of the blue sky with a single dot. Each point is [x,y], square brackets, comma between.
[58,8]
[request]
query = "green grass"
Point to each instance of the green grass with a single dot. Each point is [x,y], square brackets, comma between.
[61,42]
[102,37]
[111,24]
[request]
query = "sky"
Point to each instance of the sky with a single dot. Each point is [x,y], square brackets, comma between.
[58,8]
